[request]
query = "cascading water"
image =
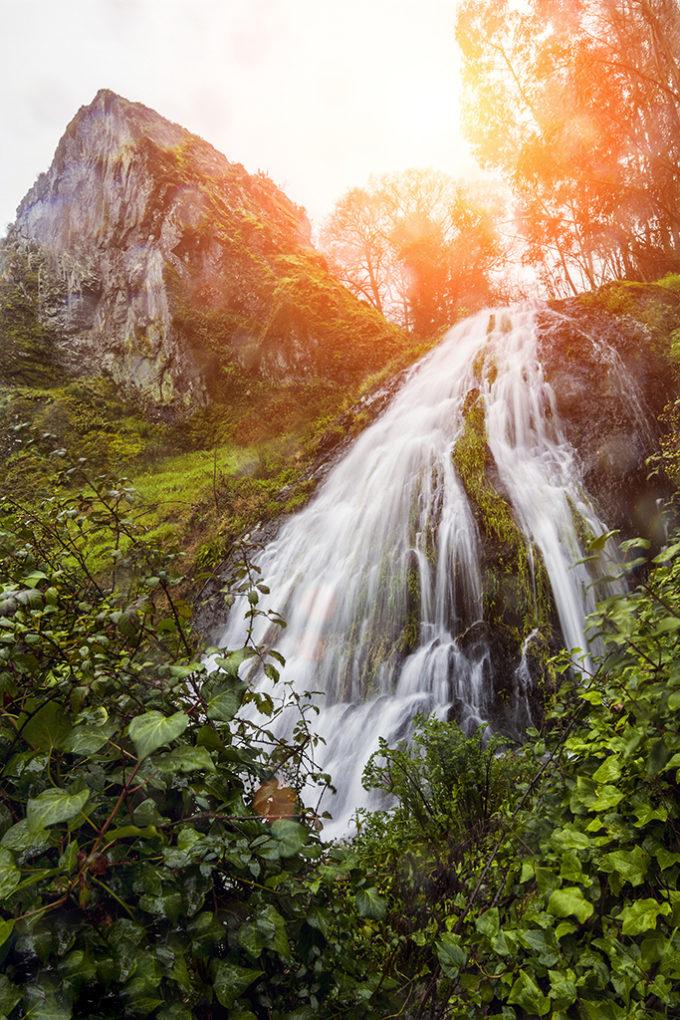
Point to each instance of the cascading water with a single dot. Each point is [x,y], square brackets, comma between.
[380,577]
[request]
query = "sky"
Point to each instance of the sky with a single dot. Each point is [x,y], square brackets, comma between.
[319,94]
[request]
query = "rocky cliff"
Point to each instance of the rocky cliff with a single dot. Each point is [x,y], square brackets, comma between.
[608,356]
[174,272]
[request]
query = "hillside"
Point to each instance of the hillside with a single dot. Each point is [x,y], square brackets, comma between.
[177,274]
[164,314]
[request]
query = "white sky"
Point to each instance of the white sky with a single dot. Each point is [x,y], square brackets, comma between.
[317,93]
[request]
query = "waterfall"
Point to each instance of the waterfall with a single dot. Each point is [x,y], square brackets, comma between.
[381,577]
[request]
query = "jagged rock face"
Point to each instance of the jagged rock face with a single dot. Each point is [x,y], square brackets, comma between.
[165,259]
[614,426]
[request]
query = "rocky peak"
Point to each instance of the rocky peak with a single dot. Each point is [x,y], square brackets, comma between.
[168,268]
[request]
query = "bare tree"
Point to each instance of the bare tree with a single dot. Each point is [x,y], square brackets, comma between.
[419,246]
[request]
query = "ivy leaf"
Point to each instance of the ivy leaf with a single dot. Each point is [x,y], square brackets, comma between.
[562,988]
[609,771]
[451,955]
[488,923]
[6,929]
[230,980]
[47,728]
[10,876]
[642,916]
[224,705]
[188,759]
[319,918]
[153,729]
[631,865]
[371,904]
[568,902]
[86,740]
[9,995]
[53,806]
[526,993]
[290,836]
[21,837]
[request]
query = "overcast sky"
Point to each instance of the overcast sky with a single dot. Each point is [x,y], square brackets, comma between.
[317,93]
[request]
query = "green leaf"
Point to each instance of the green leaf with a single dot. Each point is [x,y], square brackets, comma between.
[10,876]
[488,923]
[273,927]
[570,838]
[666,858]
[631,865]
[568,902]
[290,836]
[595,797]
[642,916]
[224,705]
[565,928]
[233,662]
[125,939]
[86,740]
[53,806]
[370,903]
[646,813]
[21,837]
[450,954]
[153,729]
[562,988]
[47,728]
[667,624]
[230,980]
[319,918]
[10,995]
[6,929]
[526,993]
[609,771]
[188,759]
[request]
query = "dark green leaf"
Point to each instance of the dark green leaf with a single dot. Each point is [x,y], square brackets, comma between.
[153,729]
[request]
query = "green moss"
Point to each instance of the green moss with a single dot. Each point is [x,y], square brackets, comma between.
[27,351]
[515,588]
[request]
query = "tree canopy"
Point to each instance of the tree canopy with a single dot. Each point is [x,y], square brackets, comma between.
[578,105]
[419,246]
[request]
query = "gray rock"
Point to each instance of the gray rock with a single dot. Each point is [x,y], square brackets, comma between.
[133,215]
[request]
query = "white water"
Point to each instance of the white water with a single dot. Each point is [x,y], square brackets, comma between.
[380,574]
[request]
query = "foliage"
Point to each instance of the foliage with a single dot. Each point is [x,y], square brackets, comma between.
[151,862]
[419,246]
[567,904]
[577,104]
[448,789]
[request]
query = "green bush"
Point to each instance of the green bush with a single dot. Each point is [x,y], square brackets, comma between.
[154,856]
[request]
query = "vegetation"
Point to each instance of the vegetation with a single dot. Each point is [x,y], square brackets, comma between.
[543,881]
[155,859]
[421,248]
[150,863]
[577,106]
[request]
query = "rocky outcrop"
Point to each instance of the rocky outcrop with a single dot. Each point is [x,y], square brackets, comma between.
[610,402]
[173,271]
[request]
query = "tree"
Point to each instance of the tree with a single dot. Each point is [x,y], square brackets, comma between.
[578,104]
[419,246]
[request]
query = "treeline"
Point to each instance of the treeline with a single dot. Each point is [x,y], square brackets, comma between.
[575,109]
